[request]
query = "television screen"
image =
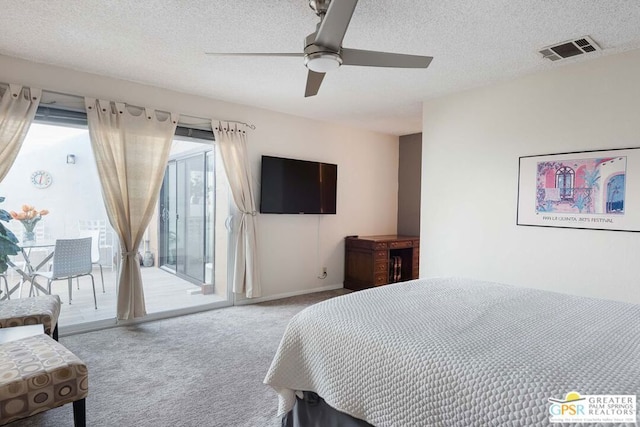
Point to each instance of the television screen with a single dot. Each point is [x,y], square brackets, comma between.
[290,186]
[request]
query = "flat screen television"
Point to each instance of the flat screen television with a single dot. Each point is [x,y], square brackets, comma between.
[290,186]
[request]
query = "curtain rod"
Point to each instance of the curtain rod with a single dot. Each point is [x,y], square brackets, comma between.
[205,122]
[252,127]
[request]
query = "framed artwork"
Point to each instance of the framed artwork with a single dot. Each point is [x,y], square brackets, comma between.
[597,190]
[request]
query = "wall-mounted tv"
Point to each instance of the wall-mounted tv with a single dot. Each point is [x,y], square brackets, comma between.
[290,186]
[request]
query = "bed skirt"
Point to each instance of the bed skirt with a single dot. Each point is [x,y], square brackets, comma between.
[313,411]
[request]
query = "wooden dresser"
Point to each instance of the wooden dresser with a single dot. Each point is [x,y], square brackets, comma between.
[379,260]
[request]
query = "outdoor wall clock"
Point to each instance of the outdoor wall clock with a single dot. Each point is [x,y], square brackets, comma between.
[41,179]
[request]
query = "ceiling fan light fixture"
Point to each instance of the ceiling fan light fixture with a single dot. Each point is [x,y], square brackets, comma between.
[322,62]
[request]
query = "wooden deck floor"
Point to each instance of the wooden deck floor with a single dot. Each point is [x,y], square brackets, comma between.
[162,291]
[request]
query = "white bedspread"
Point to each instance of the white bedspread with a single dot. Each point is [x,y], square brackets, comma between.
[457,352]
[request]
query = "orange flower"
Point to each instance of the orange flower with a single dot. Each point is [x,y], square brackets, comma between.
[28,213]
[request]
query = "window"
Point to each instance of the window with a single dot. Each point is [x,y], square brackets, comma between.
[615,194]
[564,181]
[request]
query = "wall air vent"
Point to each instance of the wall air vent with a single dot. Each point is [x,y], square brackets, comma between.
[569,48]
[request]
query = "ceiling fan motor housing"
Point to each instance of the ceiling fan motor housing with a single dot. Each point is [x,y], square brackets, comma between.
[318,58]
[322,62]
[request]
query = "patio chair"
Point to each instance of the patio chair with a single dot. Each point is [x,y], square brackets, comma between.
[3,277]
[17,229]
[95,252]
[71,259]
[105,243]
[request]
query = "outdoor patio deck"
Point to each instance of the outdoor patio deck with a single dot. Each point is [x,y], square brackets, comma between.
[162,291]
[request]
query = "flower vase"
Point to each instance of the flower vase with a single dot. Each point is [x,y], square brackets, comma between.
[28,236]
[29,225]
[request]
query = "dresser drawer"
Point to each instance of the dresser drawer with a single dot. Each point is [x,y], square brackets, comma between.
[380,255]
[380,279]
[401,244]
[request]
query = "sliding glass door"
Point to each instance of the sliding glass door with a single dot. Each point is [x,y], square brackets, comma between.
[187,214]
[168,219]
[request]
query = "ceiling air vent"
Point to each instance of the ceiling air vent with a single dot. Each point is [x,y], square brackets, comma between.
[569,48]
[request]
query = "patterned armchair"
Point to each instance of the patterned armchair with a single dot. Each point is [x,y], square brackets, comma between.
[37,374]
[43,310]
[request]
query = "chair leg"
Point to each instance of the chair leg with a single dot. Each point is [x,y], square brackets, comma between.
[54,334]
[79,413]
[21,285]
[102,277]
[70,288]
[6,285]
[93,283]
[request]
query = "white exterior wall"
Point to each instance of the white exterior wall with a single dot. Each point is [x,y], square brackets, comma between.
[74,193]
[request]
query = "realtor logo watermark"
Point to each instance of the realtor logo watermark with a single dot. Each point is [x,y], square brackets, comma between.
[604,408]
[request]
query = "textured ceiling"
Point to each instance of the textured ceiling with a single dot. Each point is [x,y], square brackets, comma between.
[162,43]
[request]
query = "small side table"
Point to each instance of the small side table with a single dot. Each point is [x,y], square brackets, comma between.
[15,333]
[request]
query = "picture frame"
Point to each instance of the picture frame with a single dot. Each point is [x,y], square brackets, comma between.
[595,190]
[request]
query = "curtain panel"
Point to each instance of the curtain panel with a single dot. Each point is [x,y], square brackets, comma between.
[131,149]
[232,143]
[17,109]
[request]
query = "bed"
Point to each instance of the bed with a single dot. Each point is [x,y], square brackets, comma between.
[454,352]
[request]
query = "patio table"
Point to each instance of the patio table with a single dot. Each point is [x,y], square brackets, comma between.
[29,268]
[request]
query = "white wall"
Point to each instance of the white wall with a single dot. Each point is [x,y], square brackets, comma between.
[471,145]
[367,171]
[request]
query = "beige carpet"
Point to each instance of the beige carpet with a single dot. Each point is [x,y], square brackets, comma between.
[200,370]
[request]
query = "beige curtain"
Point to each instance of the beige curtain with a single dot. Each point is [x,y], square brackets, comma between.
[17,108]
[233,148]
[131,150]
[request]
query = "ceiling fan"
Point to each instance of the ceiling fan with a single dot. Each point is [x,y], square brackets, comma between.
[323,49]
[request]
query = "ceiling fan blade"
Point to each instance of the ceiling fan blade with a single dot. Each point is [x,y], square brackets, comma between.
[254,54]
[314,80]
[334,24]
[369,58]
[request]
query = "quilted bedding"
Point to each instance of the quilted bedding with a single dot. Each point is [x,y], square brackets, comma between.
[456,352]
